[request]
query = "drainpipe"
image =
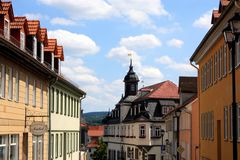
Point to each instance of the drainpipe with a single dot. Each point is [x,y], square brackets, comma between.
[51,83]
[191,114]
[79,139]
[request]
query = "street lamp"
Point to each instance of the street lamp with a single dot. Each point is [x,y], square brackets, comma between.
[162,132]
[177,115]
[231,36]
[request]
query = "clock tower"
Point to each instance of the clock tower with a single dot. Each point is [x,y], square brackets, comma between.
[131,82]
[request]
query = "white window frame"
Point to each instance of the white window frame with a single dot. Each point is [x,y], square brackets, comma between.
[3,81]
[34,93]
[17,86]
[41,95]
[56,146]
[42,53]
[10,83]
[22,40]
[35,47]
[6,28]
[27,90]
[142,131]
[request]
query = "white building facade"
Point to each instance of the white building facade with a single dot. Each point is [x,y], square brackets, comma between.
[135,128]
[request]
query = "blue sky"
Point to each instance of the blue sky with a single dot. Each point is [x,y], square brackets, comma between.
[97,36]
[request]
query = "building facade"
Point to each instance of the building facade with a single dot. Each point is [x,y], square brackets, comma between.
[133,130]
[27,73]
[215,88]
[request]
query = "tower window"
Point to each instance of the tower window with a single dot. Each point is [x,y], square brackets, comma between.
[132,87]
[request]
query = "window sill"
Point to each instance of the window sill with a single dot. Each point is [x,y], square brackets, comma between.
[142,136]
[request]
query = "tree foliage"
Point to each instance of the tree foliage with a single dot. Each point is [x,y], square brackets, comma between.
[101,152]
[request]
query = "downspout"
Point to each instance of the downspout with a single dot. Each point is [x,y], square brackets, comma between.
[198,117]
[79,139]
[51,83]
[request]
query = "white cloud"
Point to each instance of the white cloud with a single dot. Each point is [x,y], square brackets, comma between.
[62,21]
[121,54]
[204,21]
[76,44]
[170,63]
[136,11]
[175,43]
[36,16]
[143,41]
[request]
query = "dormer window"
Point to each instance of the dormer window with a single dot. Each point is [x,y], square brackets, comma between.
[6,28]
[34,47]
[42,53]
[22,40]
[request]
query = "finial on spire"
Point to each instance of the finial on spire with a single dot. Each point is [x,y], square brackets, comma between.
[130,55]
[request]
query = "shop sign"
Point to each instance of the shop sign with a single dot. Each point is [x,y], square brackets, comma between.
[38,128]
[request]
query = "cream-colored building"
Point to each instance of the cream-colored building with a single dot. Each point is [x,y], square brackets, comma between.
[24,83]
[65,120]
[29,69]
[133,130]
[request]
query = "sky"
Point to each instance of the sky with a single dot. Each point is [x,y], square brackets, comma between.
[98,35]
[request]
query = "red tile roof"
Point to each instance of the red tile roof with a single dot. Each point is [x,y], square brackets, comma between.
[7,9]
[92,144]
[52,46]
[33,27]
[166,89]
[44,36]
[18,22]
[60,53]
[95,131]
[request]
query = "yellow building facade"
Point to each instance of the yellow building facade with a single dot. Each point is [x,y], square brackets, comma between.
[215,88]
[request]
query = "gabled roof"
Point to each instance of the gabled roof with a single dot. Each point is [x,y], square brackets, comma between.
[163,90]
[187,84]
[44,36]
[18,23]
[52,46]
[60,53]
[33,27]
[7,9]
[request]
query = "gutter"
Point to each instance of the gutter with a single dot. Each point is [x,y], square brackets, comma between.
[51,83]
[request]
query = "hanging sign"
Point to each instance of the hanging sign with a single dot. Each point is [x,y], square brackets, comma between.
[38,128]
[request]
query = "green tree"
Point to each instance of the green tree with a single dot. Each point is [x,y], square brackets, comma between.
[101,152]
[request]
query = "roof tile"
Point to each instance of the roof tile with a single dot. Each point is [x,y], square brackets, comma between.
[51,47]
[33,27]
[18,22]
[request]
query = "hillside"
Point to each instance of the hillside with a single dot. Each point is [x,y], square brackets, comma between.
[94,118]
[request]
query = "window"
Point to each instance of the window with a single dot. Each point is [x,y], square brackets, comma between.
[71,106]
[238,120]
[157,131]
[69,103]
[65,104]
[27,90]
[78,109]
[17,87]
[41,95]
[238,54]
[67,143]
[57,101]
[225,123]
[34,47]
[61,144]
[210,71]
[61,103]
[215,68]
[76,141]
[10,83]
[13,147]
[3,147]
[52,146]
[230,115]
[34,148]
[166,109]
[52,100]
[74,107]
[220,63]
[42,53]
[230,60]
[136,153]
[73,142]
[22,40]
[56,146]
[34,93]
[2,80]
[142,131]
[225,60]
[6,29]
